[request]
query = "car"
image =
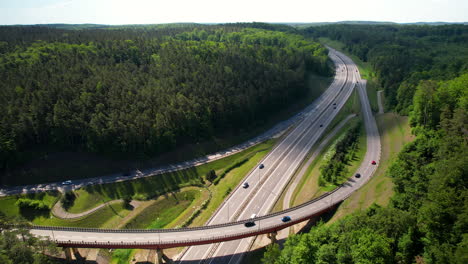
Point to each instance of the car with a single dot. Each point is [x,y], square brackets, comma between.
[358,175]
[321,125]
[67,182]
[286,219]
[249,224]
[245,185]
[334,107]
[373,162]
[253,216]
[261,166]
[334,103]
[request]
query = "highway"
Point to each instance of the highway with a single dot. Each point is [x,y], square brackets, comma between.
[265,187]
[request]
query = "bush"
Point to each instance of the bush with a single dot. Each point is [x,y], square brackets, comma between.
[32,204]
[344,151]
[126,202]
[140,197]
[211,176]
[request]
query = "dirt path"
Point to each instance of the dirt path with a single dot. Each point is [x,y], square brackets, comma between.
[59,212]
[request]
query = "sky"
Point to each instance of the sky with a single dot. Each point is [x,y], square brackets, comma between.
[118,12]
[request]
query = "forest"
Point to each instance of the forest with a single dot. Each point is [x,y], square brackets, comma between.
[145,90]
[402,55]
[423,70]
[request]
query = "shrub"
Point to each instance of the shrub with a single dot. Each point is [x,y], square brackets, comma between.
[32,204]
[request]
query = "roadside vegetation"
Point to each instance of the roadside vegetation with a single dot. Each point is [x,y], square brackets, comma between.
[344,150]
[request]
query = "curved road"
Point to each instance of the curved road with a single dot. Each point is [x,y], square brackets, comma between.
[266,185]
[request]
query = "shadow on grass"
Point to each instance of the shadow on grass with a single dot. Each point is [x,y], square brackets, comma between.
[30,214]
[148,187]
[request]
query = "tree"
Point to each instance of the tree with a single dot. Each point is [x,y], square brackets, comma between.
[211,176]
[271,254]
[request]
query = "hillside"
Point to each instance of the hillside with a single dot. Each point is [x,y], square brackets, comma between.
[145,90]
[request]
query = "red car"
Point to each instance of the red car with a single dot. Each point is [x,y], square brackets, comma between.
[373,162]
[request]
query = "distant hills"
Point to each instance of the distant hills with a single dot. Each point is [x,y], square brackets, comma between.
[185,24]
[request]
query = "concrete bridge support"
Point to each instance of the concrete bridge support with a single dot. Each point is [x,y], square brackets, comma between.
[272,236]
[160,258]
[73,252]
[68,254]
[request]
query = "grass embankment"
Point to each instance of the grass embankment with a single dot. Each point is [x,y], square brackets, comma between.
[365,70]
[48,165]
[164,210]
[394,134]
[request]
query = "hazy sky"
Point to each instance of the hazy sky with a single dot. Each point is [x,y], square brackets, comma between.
[159,11]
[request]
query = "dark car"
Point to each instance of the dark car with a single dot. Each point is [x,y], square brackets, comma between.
[245,185]
[358,175]
[249,224]
[261,166]
[334,107]
[321,125]
[373,162]
[286,219]
[334,103]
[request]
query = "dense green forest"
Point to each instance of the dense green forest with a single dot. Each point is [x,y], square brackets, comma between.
[427,219]
[401,55]
[149,89]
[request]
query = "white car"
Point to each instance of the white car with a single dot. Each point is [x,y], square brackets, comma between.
[67,182]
